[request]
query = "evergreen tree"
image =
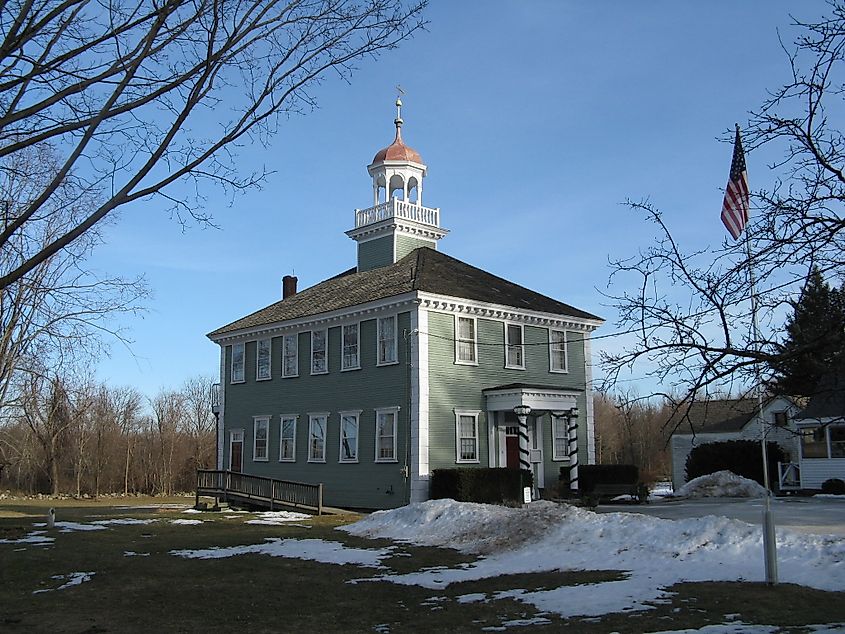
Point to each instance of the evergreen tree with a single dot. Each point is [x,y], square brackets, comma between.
[815,338]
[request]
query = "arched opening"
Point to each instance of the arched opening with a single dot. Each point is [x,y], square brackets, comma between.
[396,183]
[381,190]
[413,190]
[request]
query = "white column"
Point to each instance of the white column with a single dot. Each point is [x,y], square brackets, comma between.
[572,437]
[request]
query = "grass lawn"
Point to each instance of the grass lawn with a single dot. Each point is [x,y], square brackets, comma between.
[260,593]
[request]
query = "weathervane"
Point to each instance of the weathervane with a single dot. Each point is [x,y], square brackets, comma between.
[399,93]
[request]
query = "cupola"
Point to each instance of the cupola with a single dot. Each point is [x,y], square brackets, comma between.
[397,223]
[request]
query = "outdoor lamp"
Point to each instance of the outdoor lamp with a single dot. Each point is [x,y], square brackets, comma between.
[522,411]
[573,413]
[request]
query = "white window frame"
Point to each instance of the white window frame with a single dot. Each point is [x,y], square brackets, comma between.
[379,412]
[242,347]
[357,363]
[458,340]
[236,435]
[258,375]
[356,413]
[552,368]
[263,421]
[509,345]
[312,418]
[295,338]
[325,332]
[560,423]
[474,415]
[283,418]
[394,350]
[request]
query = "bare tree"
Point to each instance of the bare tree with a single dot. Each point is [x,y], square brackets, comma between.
[137,96]
[199,420]
[688,312]
[168,417]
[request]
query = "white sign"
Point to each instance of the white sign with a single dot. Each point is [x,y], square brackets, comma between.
[526,495]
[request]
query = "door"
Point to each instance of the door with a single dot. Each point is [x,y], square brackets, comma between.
[236,450]
[511,448]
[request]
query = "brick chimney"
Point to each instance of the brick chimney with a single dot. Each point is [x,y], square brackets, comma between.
[288,286]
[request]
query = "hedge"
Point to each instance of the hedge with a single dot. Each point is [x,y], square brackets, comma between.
[742,457]
[488,485]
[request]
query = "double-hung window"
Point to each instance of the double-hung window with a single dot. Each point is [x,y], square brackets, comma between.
[237,363]
[515,351]
[350,358]
[386,340]
[319,352]
[386,434]
[465,341]
[349,436]
[260,437]
[557,351]
[290,355]
[317,424]
[287,438]
[262,359]
[560,438]
[466,436]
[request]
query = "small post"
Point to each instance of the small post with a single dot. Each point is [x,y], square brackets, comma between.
[320,499]
[51,518]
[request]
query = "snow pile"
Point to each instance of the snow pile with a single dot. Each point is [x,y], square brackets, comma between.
[277,518]
[653,553]
[722,484]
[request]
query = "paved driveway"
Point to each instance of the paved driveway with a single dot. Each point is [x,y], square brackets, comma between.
[820,515]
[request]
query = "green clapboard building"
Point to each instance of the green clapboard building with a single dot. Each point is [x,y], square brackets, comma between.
[408,362]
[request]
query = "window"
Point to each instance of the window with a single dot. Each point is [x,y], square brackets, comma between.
[319,354]
[349,436]
[386,434]
[560,438]
[837,441]
[290,355]
[317,437]
[813,442]
[465,344]
[780,419]
[466,436]
[350,358]
[386,340]
[259,440]
[238,363]
[515,352]
[287,436]
[557,351]
[262,360]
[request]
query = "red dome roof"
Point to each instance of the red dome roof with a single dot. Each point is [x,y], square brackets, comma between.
[398,151]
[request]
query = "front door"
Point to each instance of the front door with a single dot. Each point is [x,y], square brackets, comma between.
[511,448]
[236,450]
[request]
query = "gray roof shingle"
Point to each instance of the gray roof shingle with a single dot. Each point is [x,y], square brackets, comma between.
[423,269]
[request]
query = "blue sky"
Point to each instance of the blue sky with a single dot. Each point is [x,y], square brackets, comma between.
[536,119]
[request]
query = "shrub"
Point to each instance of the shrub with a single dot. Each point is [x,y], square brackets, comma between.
[742,457]
[591,475]
[488,485]
[834,486]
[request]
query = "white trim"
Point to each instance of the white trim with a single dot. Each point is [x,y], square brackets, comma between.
[325,332]
[258,343]
[393,226]
[343,328]
[492,426]
[295,336]
[357,414]
[555,399]
[311,417]
[419,413]
[458,360]
[255,422]
[282,419]
[221,435]
[242,346]
[588,400]
[367,310]
[521,345]
[395,350]
[472,413]
[232,441]
[395,412]
[565,369]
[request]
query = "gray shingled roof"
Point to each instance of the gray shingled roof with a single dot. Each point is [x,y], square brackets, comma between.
[423,269]
[716,416]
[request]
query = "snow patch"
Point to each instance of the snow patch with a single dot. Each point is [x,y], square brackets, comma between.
[182,522]
[132,553]
[123,521]
[36,538]
[278,518]
[308,549]
[73,579]
[722,484]
[70,527]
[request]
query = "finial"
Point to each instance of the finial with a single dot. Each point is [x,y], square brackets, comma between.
[398,121]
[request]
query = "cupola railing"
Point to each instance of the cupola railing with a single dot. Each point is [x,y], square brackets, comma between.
[395,208]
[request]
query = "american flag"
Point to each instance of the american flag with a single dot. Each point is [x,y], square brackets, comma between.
[736,203]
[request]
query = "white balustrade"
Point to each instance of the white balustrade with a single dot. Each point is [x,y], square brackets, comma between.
[395,208]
